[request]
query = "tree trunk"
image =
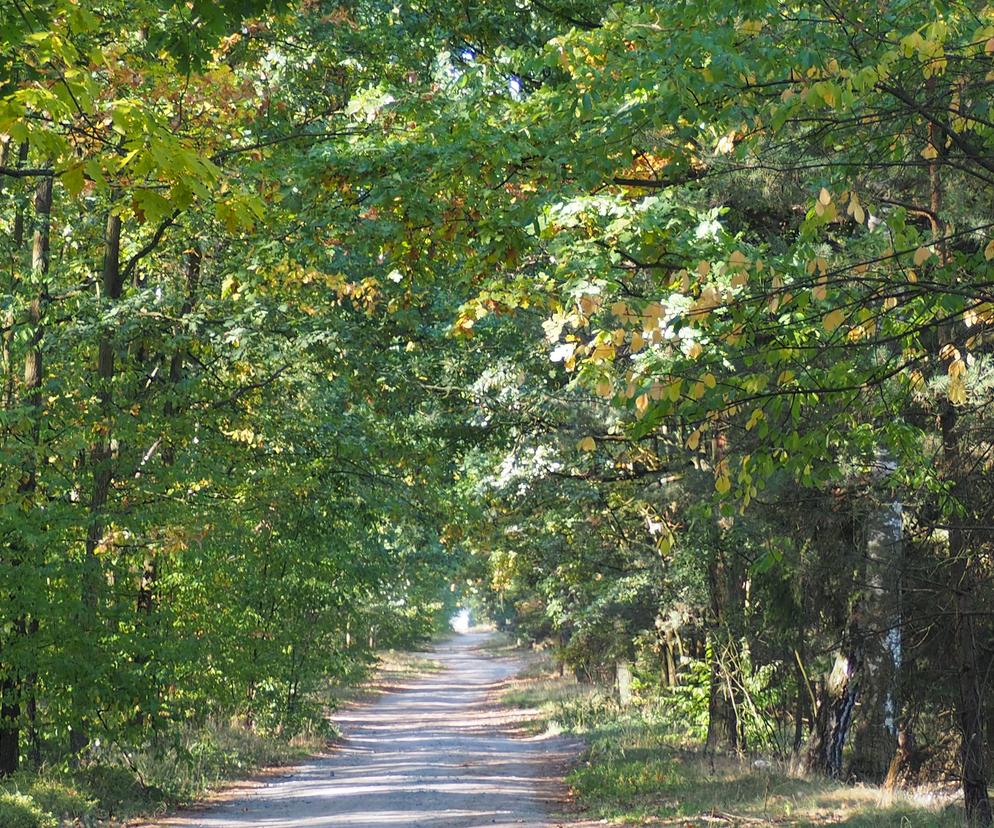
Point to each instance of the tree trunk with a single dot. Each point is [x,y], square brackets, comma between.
[150,569]
[963,580]
[101,456]
[726,607]
[837,704]
[10,687]
[670,659]
[876,727]
[623,671]
[725,583]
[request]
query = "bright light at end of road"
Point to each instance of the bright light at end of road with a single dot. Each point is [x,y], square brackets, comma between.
[460,621]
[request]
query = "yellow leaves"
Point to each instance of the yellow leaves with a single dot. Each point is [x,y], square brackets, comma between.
[827,91]
[927,48]
[709,380]
[641,404]
[694,440]
[740,279]
[989,250]
[723,484]
[833,320]
[956,370]
[637,342]
[695,350]
[957,391]
[785,377]
[855,209]
[244,435]
[587,444]
[703,268]
[751,27]
[738,259]
[824,206]
[922,255]
[864,330]
[989,47]
[930,152]
[957,373]
[820,291]
[708,301]
[754,419]
[983,313]
[590,304]
[890,303]
[603,351]
[726,143]
[653,312]
[604,389]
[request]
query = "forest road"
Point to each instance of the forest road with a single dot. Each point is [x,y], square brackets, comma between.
[438,753]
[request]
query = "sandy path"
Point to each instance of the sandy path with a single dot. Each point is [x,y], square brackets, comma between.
[434,755]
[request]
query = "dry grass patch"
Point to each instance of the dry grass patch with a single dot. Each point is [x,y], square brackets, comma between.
[639,769]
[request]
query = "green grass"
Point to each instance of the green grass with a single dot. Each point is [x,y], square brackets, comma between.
[184,768]
[147,782]
[391,667]
[501,643]
[402,664]
[640,768]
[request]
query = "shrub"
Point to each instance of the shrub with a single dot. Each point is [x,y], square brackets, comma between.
[60,799]
[115,789]
[20,811]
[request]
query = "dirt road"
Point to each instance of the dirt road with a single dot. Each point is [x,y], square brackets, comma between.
[432,755]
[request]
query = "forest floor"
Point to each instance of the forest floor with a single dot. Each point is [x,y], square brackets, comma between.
[640,768]
[434,751]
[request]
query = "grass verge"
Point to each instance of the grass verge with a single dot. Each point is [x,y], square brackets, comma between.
[120,787]
[638,769]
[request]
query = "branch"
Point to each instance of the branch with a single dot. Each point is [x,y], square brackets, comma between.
[252,386]
[148,247]
[661,183]
[26,172]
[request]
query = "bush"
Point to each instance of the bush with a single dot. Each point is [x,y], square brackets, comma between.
[20,811]
[581,713]
[115,789]
[61,799]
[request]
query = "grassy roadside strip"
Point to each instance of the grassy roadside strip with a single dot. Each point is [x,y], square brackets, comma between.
[393,669]
[121,788]
[639,769]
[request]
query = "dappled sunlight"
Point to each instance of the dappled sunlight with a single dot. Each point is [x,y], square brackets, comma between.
[435,754]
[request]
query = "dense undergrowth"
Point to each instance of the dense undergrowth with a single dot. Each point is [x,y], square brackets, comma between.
[194,760]
[643,765]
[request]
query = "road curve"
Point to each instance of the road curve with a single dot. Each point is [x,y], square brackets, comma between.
[431,755]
